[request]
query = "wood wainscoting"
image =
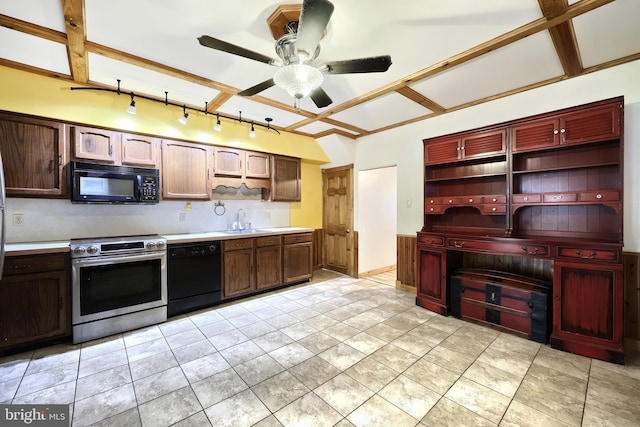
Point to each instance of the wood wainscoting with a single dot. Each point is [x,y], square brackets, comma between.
[317,249]
[631,262]
[407,249]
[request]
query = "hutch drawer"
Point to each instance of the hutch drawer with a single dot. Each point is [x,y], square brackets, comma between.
[574,252]
[526,198]
[290,239]
[430,240]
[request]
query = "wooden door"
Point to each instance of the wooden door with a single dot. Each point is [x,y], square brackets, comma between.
[268,267]
[338,244]
[286,179]
[34,154]
[587,309]
[432,280]
[185,171]
[228,162]
[238,272]
[139,150]
[257,165]
[94,144]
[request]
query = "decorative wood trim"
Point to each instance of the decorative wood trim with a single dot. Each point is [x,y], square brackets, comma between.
[563,36]
[317,260]
[376,271]
[407,252]
[631,279]
[74,19]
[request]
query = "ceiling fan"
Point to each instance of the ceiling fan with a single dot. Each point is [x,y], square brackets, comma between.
[297,49]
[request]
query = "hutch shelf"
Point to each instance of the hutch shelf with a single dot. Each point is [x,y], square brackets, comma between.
[540,197]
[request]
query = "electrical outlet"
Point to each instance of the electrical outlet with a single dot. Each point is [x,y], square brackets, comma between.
[18,220]
[409,203]
[183,216]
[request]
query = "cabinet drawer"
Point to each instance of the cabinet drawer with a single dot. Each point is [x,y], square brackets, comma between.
[236,244]
[268,241]
[560,197]
[526,198]
[432,201]
[499,247]
[434,209]
[431,240]
[34,263]
[494,199]
[589,253]
[494,209]
[297,238]
[600,196]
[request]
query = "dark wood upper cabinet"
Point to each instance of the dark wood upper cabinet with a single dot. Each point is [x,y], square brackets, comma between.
[185,171]
[34,153]
[285,179]
[94,144]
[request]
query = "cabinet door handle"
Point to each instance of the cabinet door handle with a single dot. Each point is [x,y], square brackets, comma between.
[555,131]
[528,252]
[598,196]
[590,256]
[470,200]
[458,244]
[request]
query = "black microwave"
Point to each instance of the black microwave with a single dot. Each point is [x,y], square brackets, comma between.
[100,183]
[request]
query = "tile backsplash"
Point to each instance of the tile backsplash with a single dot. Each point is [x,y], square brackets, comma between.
[50,220]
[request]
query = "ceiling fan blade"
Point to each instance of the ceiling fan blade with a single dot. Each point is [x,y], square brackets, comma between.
[374,64]
[320,97]
[257,88]
[235,50]
[314,18]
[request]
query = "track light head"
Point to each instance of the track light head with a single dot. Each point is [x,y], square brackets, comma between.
[185,116]
[252,132]
[132,106]
[218,126]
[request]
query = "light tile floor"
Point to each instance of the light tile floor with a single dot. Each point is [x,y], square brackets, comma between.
[337,351]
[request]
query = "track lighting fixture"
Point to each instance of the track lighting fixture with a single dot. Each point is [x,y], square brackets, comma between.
[185,116]
[132,106]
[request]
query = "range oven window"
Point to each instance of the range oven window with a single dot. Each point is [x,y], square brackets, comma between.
[113,286]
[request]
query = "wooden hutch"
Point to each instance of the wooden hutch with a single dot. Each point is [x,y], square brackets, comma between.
[540,197]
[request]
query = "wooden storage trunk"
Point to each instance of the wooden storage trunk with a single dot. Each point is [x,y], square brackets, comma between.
[504,301]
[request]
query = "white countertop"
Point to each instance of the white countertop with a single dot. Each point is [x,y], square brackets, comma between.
[33,248]
[226,235]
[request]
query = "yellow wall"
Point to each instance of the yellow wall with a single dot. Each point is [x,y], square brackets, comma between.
[37,95]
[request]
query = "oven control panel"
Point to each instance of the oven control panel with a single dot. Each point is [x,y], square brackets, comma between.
[95,247]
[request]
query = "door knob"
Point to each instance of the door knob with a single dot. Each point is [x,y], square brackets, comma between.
[347,231]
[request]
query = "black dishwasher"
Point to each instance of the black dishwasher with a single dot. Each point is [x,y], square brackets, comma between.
[194,276]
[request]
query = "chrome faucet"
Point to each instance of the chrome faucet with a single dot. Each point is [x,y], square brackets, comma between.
[240,219]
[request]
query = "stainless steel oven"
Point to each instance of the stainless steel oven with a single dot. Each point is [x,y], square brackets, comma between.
[118,284]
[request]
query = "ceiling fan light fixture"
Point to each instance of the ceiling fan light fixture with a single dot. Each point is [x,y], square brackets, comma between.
[298,79]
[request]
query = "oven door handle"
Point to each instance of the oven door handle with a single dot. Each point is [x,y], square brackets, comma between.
[119,259]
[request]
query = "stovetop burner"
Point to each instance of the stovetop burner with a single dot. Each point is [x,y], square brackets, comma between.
[104,246]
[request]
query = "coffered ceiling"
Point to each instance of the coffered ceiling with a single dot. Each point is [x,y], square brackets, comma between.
[446,55]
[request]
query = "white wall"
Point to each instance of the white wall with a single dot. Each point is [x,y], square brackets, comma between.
[378,218]
[47,220]
[403,146]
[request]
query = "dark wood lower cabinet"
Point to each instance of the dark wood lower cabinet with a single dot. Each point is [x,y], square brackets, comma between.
[238,260]
[35,304]
[268,262]
[297,258]
[261,263]
[587,310]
